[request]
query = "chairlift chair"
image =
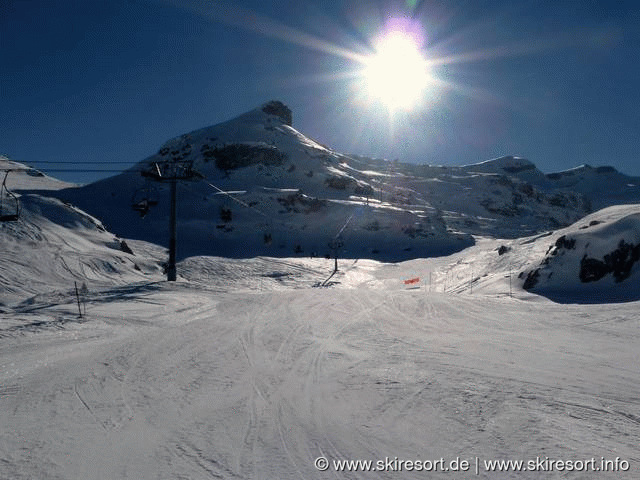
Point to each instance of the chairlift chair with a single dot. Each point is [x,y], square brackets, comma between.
[9,203]
[143,199]
[267,230]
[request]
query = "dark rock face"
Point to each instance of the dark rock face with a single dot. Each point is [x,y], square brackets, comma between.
[344,183]
[298,202]
[279,109]
[239,155]
[226,215]
[340,183]
[503,249]
[619,263]
[592,269]
[125,248]
[519,168]
[532,279]
[564,242]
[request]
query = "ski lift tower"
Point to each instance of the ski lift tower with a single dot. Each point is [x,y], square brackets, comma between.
[336,244]
[9,203]
[171,172]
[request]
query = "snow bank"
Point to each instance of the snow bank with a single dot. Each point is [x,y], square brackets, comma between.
[595,260]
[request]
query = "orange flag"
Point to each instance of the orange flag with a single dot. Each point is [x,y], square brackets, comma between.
[412,280]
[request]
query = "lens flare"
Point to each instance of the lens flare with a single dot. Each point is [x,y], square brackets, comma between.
[397,73]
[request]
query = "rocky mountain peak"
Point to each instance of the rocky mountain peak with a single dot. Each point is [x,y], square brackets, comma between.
[279,109]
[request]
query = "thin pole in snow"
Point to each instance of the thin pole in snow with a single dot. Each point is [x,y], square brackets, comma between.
[75,284]
[171,268]
[510,290]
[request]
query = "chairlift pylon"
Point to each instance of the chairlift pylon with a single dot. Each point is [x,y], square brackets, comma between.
[9,203]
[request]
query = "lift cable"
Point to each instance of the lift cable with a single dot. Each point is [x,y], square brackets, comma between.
[74,162]
[227,194]
[345,225]
[85,170]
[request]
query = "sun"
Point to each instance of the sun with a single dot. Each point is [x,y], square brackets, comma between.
[396,73]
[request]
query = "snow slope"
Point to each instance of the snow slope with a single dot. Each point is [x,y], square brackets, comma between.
[23,177]
[590,261]
[54,244]
[594,260]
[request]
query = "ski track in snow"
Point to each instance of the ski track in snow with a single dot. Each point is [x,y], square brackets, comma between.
[210,378]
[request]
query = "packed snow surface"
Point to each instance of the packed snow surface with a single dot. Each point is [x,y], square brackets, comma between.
[248,369]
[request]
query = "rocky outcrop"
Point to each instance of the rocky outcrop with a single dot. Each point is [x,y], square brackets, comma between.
[279,109]
[619,263]
[239,155]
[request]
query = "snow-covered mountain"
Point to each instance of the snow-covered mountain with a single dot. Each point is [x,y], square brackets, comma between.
[266,189]
[288,195]
[242,369]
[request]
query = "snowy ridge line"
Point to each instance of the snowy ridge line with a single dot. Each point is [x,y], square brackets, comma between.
[88,170]
[260,150]
[15,169]
[67,170]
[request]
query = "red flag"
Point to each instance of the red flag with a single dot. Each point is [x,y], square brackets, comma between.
[412,280]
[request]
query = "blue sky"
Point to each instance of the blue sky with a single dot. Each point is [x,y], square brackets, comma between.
[111,80]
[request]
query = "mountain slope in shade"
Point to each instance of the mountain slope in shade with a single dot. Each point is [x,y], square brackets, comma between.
[604,186]
[292,196]
[287,195]
[269,190]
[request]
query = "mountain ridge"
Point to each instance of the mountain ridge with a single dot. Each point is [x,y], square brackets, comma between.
[293,195]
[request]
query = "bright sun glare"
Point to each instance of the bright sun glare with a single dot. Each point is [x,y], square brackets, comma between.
[397,73]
